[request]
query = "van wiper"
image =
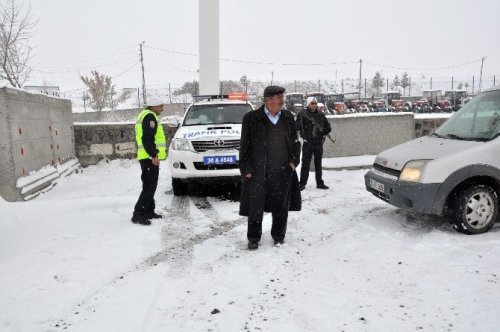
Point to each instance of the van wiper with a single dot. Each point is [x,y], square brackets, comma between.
[437,135]
[486,139]
[453,136]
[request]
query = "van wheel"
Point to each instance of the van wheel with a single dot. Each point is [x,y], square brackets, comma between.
[180,188]
[475,209]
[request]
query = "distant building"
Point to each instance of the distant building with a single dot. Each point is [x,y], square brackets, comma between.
[47,89]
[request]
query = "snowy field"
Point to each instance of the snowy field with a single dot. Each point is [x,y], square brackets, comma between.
[71,260]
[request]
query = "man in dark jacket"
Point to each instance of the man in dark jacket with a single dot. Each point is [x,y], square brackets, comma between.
[269,154]
[313,127]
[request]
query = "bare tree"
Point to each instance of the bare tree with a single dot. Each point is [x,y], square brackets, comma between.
[396,83]
[15,32]
[405,82]
[377,83]
[191,88]
[101,90]
[124,95]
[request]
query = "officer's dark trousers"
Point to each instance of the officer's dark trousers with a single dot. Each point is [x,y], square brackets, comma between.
[277,191]
[146,202]
[308,150]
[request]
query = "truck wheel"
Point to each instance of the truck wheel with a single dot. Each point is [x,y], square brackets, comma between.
[180,188]
[475,209]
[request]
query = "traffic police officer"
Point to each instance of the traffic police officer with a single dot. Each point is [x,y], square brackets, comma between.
[151,148]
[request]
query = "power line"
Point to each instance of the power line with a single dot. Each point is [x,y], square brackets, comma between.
[99,57]
[126,70]
[170,51]
[319,64]
[437,68]
[71,69]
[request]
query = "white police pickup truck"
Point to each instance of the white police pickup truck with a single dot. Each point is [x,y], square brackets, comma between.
[206,146]
[455,171]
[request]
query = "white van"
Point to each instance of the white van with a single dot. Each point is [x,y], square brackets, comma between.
[455,171]
[206,145]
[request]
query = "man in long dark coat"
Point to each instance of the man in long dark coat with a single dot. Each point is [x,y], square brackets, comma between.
[269,154]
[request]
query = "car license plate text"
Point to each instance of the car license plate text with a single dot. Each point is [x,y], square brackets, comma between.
[219,160]
[377,185]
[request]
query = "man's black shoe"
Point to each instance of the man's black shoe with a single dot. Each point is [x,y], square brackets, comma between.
[140,220]
[302,187]
[322,186]
[154,215]
[279,242]
[252,245]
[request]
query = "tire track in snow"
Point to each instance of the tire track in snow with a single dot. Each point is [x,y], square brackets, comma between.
[178,238]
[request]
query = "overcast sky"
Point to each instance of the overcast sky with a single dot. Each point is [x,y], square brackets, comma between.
[279,39]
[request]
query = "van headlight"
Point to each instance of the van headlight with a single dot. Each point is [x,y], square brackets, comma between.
[181,144]
[413,170]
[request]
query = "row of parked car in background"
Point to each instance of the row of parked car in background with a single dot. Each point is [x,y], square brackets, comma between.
[431,101]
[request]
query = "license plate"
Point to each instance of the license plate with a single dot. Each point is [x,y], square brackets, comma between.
[219,160]
[377,185]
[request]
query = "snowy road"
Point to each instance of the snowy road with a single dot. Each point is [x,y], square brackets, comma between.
[71,260]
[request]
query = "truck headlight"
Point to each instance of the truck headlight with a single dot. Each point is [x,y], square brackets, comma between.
[413,170]
[181,144]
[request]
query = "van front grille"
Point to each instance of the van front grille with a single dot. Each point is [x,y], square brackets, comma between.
[218,144]
[387,170]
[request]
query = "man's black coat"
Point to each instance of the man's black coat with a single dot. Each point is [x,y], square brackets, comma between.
[253,158]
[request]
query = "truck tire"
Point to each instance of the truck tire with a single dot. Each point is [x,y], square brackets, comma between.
[180,188]
[475,209]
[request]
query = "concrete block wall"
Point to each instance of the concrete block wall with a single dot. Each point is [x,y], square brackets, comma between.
[355,135]
[370,134]
[95,142]
[35,131]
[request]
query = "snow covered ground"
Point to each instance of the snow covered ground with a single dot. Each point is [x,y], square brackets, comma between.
[70,259]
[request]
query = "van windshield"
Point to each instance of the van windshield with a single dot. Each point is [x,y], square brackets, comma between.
[478,120]
[216,114]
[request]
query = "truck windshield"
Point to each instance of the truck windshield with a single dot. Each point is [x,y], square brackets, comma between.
[478,120]
[216,114]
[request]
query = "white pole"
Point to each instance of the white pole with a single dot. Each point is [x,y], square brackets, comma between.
[208,11]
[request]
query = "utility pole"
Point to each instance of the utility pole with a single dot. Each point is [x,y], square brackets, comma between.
[272,77]
[319,85]
[481,74]
[359,85]
[169,93]
[85,97]
[143,78]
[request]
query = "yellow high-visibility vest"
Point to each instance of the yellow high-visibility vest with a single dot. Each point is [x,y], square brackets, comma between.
[160,138]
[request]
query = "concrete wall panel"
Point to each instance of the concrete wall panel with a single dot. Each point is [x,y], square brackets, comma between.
[36,131]
[370,134]
[29,129]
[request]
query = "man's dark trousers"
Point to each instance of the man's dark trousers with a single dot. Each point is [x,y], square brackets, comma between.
[308,150]
[146,202]
[277,188]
